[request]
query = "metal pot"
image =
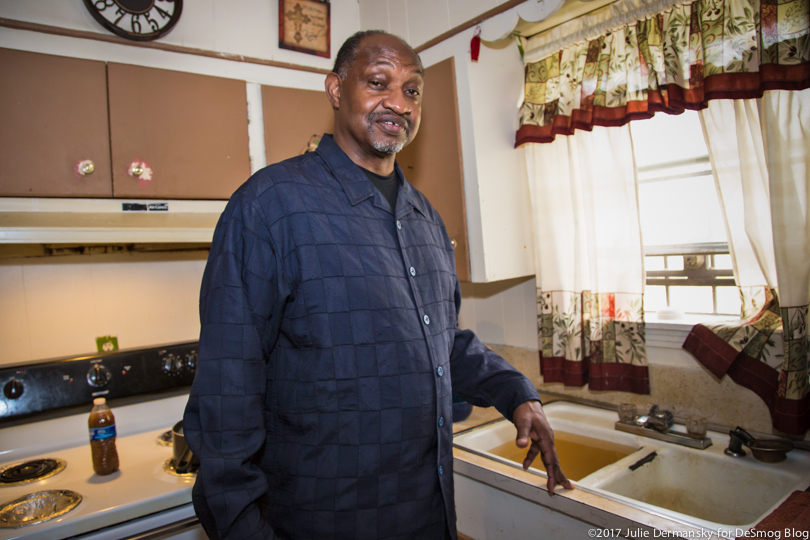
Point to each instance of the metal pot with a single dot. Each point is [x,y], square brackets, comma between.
[184,460]
[765,450]
[770,450]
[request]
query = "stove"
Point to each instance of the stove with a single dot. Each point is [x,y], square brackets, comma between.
[45,460]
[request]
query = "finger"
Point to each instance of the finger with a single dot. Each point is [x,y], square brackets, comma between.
[534,449]
[553,469]
[556,476]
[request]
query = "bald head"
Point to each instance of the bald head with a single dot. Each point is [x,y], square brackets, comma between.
[350,49]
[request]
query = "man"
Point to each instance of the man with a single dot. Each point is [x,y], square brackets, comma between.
[322,405]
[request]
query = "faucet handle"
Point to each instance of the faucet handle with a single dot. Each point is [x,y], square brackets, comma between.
[737,438]
[664,419]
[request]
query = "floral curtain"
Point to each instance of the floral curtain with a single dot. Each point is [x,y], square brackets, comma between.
[590,275]
[675,60]
[760,153]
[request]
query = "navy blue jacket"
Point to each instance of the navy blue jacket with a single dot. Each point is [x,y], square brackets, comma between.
[329,352]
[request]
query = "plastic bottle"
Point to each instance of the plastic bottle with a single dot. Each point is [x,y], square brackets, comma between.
[102,438]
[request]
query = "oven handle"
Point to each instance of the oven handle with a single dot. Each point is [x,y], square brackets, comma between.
[172,528]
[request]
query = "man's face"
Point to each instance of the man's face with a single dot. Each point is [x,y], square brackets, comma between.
[378,103]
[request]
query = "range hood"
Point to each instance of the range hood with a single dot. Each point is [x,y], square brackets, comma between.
[107,221]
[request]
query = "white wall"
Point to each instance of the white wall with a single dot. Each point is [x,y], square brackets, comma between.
[58,306]
[501,313]
[246,27]
[419,21]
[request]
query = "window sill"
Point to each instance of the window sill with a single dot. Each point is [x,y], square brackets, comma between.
[671,333]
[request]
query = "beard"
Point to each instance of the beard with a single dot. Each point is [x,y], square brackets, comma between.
[388,146]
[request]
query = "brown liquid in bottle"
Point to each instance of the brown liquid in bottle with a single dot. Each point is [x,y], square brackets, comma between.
[102,438]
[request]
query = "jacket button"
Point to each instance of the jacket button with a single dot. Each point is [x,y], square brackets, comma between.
[441,470]
[412,270]
[426,319]
[399,224]
[441,421]
[439,371]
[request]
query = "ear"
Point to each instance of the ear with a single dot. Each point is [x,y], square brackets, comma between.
[332,85]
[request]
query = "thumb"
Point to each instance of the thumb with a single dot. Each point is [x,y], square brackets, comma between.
[523,429]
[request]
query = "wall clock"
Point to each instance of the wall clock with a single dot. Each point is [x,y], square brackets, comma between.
[139,20]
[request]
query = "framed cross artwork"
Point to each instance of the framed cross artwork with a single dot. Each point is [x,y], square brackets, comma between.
[303,26]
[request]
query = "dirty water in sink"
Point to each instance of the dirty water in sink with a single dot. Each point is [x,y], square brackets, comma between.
[739,492]
[579,455]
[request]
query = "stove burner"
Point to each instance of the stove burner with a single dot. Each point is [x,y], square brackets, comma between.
[30,471]
[37,507]
[165,438]
[170,467]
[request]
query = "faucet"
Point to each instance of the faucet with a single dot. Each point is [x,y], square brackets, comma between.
[659,420]
[657,425]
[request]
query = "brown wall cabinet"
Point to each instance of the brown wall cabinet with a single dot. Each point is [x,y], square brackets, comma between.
[433,162]
[291,118]
[167,134]
[53,114]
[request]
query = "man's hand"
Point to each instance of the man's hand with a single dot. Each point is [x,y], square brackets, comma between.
[532,427]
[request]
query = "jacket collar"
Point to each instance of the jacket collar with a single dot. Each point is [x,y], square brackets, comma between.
[354,183]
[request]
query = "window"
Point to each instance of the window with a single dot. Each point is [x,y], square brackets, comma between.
[687,260]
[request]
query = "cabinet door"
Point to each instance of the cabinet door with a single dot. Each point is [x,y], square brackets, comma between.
[432,162]
[291,118]
[53,115]
[188,132]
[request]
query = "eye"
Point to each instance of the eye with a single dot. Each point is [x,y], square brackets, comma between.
[375,83]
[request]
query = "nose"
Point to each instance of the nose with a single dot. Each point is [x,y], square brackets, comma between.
[396,101]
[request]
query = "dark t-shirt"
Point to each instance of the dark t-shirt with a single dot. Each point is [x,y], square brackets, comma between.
[387,185]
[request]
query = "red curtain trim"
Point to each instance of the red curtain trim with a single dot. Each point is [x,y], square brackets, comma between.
[558,369]
[620,377]
[791,415]
[788,415]
[598,376]
[757,376]
[715,354]
[677,99]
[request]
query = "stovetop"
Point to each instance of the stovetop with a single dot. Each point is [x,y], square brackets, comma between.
[44,409]
[140,488]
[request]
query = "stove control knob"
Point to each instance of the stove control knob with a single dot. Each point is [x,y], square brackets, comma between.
[98,376]
[13,389]
[191,360]
[172,364]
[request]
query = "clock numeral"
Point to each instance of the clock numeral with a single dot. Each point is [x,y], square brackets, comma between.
[163,13]
[121,13]
[136,24]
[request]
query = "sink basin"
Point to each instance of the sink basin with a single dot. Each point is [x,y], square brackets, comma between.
[703,488]
[710,487]
[580,454]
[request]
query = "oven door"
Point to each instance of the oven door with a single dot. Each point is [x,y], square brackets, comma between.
[176,524]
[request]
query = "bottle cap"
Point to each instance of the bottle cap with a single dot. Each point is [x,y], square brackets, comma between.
[99,401]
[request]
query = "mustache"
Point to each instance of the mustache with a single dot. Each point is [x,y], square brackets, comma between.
[392,117]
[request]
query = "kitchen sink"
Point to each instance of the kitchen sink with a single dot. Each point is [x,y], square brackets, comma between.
[699,487]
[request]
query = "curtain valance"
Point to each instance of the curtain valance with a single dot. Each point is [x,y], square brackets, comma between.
[676,60]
